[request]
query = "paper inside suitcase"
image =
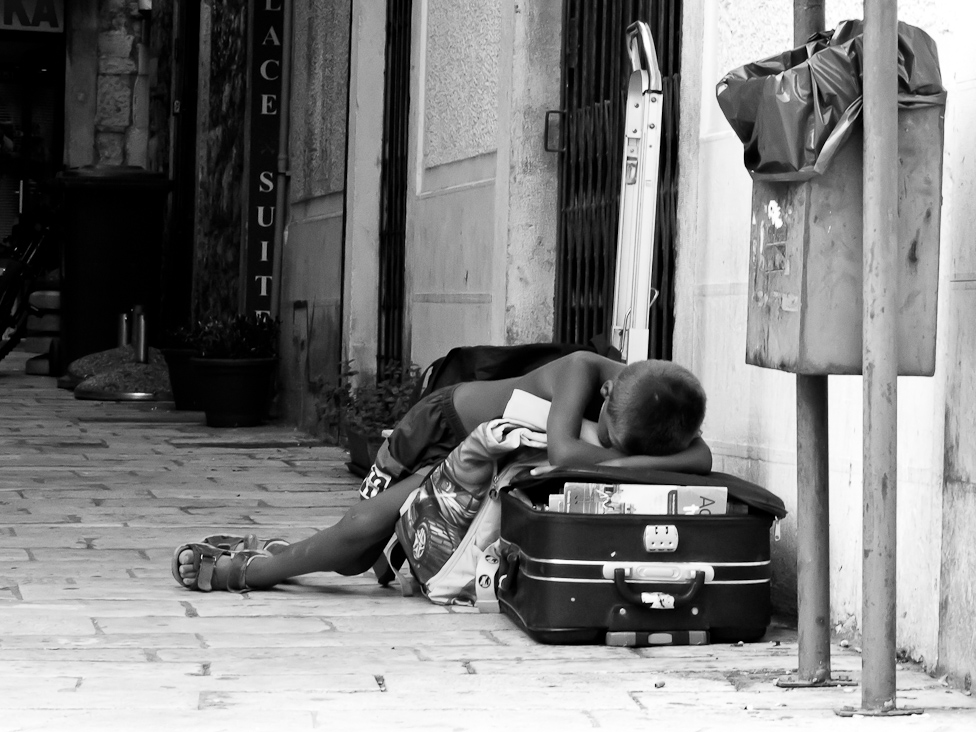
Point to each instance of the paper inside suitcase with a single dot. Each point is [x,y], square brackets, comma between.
[636,579]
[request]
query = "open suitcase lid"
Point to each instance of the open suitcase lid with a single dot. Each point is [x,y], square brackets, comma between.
[741,490]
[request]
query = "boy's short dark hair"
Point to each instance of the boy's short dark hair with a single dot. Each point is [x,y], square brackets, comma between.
[657,407]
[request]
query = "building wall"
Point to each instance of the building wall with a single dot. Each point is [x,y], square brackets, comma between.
[751,421]
[312,254]
[957,641]
[360,312]
[526,199]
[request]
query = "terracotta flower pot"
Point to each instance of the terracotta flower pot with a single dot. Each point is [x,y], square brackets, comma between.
[235,392]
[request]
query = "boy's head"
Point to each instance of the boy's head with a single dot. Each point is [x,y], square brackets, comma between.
[652,408]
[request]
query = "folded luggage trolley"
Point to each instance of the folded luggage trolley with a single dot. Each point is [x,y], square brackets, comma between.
[633,293]
[631,579]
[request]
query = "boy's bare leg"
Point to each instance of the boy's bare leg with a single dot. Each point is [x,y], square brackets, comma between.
[349,547]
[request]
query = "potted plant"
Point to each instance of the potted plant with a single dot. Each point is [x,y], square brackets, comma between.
[179,346]
[235,368]
[362,411]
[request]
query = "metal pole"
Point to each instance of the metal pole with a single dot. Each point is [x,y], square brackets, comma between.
[808,18]
[880,354]
[812,531]
[812,482]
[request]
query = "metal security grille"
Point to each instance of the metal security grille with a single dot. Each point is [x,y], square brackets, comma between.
[393,185]
[595,71]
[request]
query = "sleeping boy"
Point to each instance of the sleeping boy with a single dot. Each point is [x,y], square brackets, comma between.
[648,415]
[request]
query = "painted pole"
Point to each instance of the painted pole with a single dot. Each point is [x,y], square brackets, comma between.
[812,476]
[808,18]
[812,531]
[880,354]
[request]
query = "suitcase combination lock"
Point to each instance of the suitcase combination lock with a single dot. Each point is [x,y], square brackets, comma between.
[660,538]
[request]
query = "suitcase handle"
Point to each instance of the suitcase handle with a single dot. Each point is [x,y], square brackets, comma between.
[658,600]
[508,571]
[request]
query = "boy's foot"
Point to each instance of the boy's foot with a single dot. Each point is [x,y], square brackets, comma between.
[205,567]
[189,571]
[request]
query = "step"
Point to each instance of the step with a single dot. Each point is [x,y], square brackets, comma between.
[46,323]
[35,344]
[45,299]
[38,365]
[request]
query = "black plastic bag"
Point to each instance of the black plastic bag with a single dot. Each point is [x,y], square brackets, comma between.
[793,111]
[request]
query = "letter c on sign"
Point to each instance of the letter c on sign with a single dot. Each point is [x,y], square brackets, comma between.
[266,73]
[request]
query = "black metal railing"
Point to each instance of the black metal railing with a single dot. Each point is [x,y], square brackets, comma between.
[595,72]
[393,185]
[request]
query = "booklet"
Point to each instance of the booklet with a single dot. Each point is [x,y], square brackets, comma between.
[639,498]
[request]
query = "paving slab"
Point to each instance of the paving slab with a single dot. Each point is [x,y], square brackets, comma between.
[96,635]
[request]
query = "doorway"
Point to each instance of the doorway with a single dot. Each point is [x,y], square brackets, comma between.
[31,123]
[178,275]
[595,73]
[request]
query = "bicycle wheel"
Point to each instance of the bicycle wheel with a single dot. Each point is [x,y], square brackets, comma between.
[14,277]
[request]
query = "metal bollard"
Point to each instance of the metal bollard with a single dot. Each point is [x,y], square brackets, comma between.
[124,329]
[139,342]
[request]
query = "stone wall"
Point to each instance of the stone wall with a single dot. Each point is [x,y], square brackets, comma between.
[122,101]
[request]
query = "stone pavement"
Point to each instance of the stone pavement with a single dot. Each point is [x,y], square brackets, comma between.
[96,635]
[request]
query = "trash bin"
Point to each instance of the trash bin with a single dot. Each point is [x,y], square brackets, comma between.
[798,117]
[112,222]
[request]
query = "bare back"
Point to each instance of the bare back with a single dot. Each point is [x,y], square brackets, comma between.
[480,401]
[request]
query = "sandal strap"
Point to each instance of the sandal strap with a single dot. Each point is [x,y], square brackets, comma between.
[238,570]
[205,573]
[234,543]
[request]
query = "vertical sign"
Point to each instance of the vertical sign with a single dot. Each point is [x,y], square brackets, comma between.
[262,185]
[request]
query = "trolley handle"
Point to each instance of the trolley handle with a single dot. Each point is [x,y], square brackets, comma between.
[643,55]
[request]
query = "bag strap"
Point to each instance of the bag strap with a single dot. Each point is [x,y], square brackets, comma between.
[485,577]
[408,583]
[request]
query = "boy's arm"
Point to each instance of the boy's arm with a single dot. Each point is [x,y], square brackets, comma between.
[696,458]
[575,384]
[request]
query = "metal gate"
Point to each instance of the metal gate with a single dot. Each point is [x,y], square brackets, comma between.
[595,72]
[393,185]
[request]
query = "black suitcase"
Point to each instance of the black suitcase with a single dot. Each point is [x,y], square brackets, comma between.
[635,579]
